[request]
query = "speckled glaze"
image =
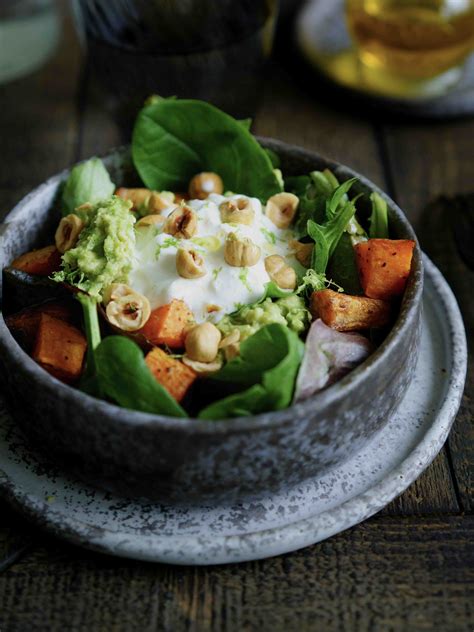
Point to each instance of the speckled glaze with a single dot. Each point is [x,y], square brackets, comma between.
[269,523]
[172,459]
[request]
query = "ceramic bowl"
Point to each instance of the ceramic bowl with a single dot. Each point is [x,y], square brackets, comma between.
[165,458]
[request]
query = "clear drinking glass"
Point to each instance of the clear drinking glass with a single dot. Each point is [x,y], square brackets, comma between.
[420,42]
[205,49]
[29,32]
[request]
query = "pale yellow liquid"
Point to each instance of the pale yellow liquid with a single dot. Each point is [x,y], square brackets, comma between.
[413,39]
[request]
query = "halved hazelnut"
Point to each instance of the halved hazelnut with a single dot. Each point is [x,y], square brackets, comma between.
[181,223]
[68,232]
[281,209]
[190,264]
[240,252]
[205,183]
[280,272]
[237,211]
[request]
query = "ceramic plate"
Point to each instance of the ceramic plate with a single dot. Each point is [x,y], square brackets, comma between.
[267,525]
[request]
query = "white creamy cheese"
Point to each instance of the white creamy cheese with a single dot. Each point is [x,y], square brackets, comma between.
[223,288]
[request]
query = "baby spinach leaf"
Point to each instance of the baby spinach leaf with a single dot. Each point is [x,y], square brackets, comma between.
[266,367]
[175,139]
[125,377]
[379,217]
[87,182]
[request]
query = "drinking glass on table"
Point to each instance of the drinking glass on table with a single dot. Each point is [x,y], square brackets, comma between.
[418,43]
[205,49]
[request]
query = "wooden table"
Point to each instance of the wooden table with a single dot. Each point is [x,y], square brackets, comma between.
[409,568]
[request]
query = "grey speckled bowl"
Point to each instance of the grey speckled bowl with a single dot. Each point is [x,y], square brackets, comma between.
[172,459]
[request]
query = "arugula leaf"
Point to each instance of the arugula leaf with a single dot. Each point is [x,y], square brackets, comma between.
[333,203]
[267,366]
[326,236]
[379,217]
[87,182]
[175,139]
[342,268]
[313,191]
[125,377]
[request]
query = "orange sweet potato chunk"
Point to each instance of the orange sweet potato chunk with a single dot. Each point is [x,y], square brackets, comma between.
[349,313]
[60,348]
[171,373]
[384,266]
[167,324]
[42,262]
[24,324]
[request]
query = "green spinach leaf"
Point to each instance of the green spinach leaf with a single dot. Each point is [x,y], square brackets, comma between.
[125,377]
[342,268]
[266,367]
[87,182]
[175,139]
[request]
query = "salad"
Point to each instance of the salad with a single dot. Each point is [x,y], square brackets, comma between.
[220,287]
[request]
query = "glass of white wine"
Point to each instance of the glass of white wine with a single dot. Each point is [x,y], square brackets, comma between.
[412,46]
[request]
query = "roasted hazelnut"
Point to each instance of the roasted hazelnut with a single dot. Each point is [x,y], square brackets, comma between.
[202,342]
[280,272]
[68,232]
[303,252]
[181,223]
[205,183]
[126,309]
[190,264]
[203,368]
[237,211]
[145,200]
[240,252]
[151,220]
[231,345]
[281,209]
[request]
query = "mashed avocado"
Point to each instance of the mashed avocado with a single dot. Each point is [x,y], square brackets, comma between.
[103,253]
[289,311]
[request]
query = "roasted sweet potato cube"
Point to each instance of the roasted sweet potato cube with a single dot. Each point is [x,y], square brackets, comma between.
[24,325]
[42,262]
[384,266]
[349,313]
[167,324]
[171,373]
[60,348]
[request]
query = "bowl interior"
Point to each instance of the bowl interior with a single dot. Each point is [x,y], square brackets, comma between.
[32,222]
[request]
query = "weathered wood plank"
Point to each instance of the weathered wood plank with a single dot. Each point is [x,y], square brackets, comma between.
[38,122]
[448,169]
[388,574]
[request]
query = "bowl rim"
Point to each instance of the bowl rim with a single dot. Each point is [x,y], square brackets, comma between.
[341,389]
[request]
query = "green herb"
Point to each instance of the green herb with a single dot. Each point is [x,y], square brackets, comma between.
[175,139]
[169,242]
[269,236]
[379,217]
[311,282]
[243,277]
[326,236]
[266,368]
[342,267]
[215,273]
[313,192]
[87,182]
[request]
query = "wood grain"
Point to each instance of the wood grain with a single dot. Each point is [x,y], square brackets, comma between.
[38,125]
[388,574]
[448,168]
